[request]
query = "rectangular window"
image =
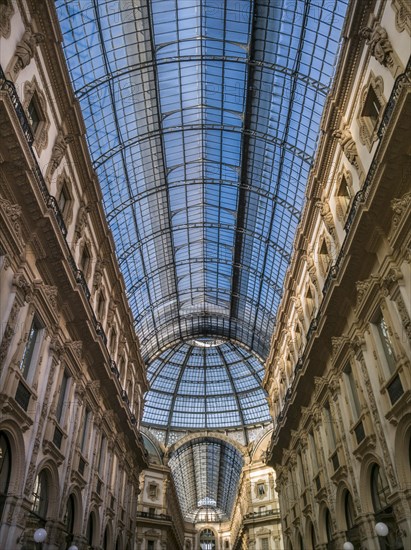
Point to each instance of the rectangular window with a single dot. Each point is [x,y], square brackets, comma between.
[313,451]
[150,545]
[351,388]
[62,200]
[102,455]
[33,115]
[84,434]
[32,344]
[62,396]
[264,544]
[329,427]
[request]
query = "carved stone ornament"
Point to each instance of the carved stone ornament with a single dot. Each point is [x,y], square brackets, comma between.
[23,286]
[348,146]
[81,222]
[58,152]
[13,213]
[51,295]
[402,10]
[98,272]
[77,347]
[6,13]
[25,51]
[336,342]
[400,207]
[362,288]
[326,215]
[32,88]
[377,39]
[341,201]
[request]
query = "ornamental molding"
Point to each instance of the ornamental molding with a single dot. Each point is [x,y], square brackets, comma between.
[32,88]
[58,152]
[25,51]
[13,215]
[6,13]
[377,39]
[402,10]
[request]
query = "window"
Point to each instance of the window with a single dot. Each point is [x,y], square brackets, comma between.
[264,544]
[371,110]
[260,489]
[152,490]
[344,196]
[40,495]
[84,434]
[379,489]
[328,526]
[386,342]
[90,530]
[151,511]
[5,469]
[85,260]
[69,519]
[62,396]
[102,455]
[324,256]
[150,545]
[329,428]
[313,451]
[33,113]
[349,510]
[31,348]
[351,388]
[207,540]
[101,304]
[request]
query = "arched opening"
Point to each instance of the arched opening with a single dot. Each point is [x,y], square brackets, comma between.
[383,512]
[119,546]
[352,531]
[328,526]
[300,541]
[69,518]
[5,470]
[207,540]
[41,495]
[106,538]
[313,539]
[90,530]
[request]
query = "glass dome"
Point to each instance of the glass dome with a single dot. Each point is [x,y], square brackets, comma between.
[205,384]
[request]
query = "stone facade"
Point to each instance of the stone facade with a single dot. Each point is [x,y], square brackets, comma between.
[338,374]
[71,374]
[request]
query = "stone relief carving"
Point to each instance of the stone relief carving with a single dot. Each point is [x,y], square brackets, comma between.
[327,216]
[81,223]
[6,13]
[58,152]
[348,146]
[13,213]
[380,45]
[25,51]
[402,10]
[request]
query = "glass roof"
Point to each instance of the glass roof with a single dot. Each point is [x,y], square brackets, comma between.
[206,473]
[212,385]
[202,120]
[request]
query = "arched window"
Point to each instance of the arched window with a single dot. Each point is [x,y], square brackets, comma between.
[90,530]
[379,489]
[328,526]
[207,540]
[40,495]
[118,543]
[349,510]
[105,539]
[69,519]
[5,469]
[312,536]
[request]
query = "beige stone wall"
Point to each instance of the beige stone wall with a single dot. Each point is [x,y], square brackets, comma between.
[338,374]
[71,374]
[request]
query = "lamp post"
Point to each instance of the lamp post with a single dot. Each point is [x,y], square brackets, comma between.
[40,536]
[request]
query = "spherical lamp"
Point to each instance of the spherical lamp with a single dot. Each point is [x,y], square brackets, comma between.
[381,529]
[40,535]
[73,547]
[348,546]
